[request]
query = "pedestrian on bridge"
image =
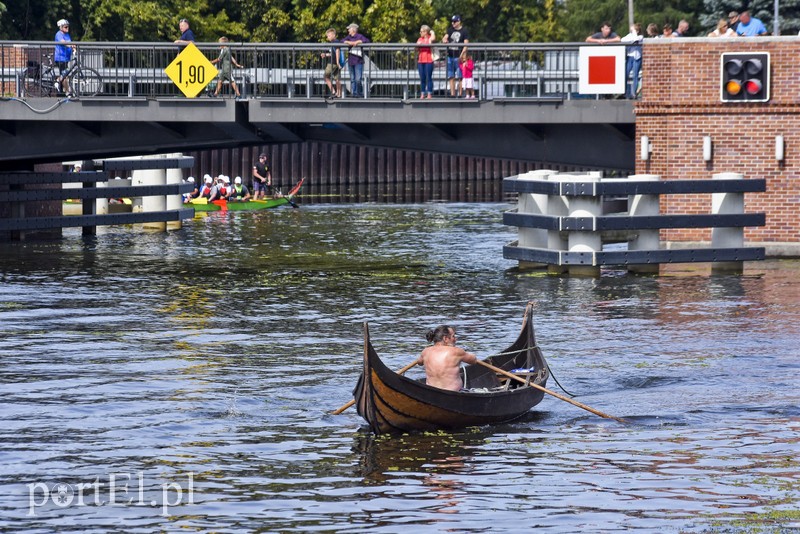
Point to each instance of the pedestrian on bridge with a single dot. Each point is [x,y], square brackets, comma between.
[604,36]
[356,58]
[750,26]
[187,35]
[425,61]
[226,62]
[456,34]
[633,59]
[336,61]
[63,55]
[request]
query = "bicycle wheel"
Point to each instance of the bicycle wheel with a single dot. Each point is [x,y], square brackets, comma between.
[32,83]
[86,82]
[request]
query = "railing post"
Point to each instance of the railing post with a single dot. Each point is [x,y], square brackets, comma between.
[727,203]
[644,205]
[309,84]
[131,86]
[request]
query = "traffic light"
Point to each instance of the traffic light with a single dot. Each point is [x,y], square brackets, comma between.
[745,77]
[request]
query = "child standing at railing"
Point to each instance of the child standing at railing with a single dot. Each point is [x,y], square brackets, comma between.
[467,65]
[225,60]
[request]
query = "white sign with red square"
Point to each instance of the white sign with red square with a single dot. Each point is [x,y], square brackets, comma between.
[601,70]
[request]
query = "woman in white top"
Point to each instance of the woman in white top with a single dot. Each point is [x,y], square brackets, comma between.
[723,30]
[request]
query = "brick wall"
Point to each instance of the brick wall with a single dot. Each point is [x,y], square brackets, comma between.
[681,104]
[12,57]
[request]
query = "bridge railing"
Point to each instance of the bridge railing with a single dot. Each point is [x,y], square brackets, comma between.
[283,70]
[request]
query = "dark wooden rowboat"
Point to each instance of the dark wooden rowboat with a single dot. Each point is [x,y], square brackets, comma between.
[392,403]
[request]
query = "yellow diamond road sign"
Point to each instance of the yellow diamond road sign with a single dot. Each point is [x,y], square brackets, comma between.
[191,71]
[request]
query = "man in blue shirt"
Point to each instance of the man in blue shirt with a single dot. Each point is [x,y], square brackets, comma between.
[750,26]
[63,55]
[187,35]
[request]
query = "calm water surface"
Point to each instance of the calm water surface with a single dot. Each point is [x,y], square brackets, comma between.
[135,366]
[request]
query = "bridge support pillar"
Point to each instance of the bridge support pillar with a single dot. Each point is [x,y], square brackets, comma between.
[533,204]
[101,204]
[557,206]
[151,203]
[727,203]
[588,240]
[174,202]
[644,205]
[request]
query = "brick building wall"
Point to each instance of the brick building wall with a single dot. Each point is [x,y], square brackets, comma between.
[681,104]
[12,57]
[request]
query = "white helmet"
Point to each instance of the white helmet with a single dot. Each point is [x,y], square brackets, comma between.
[62,22]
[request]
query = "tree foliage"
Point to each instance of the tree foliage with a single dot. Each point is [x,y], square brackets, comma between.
[380,20]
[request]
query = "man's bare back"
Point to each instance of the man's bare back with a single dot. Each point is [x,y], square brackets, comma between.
[443,359]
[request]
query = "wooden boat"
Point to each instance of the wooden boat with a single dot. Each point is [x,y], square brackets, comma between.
[202,204]
[392,403]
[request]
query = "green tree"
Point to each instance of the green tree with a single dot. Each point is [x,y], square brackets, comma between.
[150,20]
[312,17]
[35,19]
[398,21]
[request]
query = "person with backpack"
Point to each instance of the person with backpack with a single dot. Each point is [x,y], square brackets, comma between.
[333,70]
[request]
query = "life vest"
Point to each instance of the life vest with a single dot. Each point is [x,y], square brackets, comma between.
[205,191]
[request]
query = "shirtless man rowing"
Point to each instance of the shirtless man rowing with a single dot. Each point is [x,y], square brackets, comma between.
[442,360]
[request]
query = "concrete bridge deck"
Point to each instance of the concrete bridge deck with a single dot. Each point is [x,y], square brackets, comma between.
[527,106]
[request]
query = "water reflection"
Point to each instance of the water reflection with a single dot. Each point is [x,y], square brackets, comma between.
[219,349]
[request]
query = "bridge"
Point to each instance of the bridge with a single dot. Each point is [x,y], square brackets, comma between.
[528,106]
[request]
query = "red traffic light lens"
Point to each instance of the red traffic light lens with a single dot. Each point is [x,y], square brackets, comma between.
[753,87]
[733,87]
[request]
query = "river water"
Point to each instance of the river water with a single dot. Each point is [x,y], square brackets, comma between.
[182,381]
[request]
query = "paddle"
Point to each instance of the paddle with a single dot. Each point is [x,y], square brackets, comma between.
[553,393]
[352,402]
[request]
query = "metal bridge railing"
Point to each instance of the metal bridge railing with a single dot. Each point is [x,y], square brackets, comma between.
[136,70]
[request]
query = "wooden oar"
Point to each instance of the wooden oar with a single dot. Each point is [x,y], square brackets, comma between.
[553,393]
[352,402]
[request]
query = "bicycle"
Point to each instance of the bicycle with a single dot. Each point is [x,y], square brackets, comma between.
[41,80]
